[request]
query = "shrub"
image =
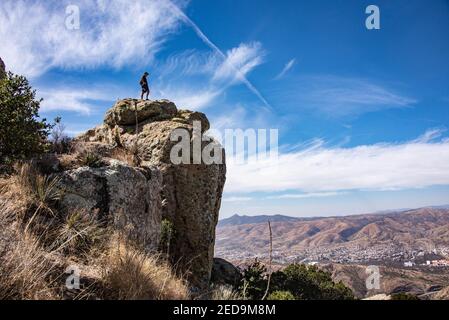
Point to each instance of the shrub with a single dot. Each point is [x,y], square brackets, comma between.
[22,132]
[403,296]
[38,194]
[301,281]
[281,295]
[90,159]
[254,284]
[167,233]
[60,142]
[79,232]
[310,283]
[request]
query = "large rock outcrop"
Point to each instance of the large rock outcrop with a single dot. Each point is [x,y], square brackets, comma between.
[125,197]
[191,193]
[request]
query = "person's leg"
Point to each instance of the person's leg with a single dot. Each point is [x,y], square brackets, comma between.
[148,93]
[141,95]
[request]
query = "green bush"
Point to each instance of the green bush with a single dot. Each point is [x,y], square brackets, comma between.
[403,296]
[22,133]
[90,159]
[167,233]
[310,283]
[254,282]
[281,295]
[301,281]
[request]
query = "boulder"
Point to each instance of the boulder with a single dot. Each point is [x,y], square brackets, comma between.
[125,197]
[125,111]
[191,193]
[225,273]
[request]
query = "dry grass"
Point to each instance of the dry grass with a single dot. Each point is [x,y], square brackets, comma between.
[123,155]
[78,233]
[222,292]
[130,274]
[26,273]
[31,193]
[36,240]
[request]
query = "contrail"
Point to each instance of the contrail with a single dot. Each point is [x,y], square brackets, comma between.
[212,45]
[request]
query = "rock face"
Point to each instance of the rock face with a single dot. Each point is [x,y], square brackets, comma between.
[124,112]
[127,198]
[2,69]
[191,193]
[225,273]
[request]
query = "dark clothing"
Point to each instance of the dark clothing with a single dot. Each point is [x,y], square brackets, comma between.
[145,88]
[144,84]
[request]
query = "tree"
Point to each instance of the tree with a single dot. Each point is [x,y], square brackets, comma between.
[310,283]
[296,280]
[22,132]
[254,283]
[60,142]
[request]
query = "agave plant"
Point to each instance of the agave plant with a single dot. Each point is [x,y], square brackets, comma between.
[42,192]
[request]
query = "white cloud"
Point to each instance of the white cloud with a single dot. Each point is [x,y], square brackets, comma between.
[412,164]
[74,99]
[430,135]
[232,70]
[192,98]
[239,62]
[341,97]
[286,69]
[237,199]
[112,33]
[238,72]
[307,195]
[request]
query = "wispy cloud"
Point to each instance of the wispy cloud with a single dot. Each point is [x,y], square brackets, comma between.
[237,199]
[221,72]
[75,99]
[239,73]
[286,69]
[192,98]
[411,164]
[431,135]
[307,195]
[35,38]
[243,58]
[338,97]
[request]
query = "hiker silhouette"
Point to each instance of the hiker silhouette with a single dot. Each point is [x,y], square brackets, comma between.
[144,85]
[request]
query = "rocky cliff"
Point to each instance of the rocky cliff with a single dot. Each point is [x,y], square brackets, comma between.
[138,185]
[2,68]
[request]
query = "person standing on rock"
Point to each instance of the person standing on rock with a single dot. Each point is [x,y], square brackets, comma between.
[144,85]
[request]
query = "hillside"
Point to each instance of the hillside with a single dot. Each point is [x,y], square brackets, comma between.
[426,285]
[340,239]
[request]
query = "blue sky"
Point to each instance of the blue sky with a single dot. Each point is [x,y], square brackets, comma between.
[362,114]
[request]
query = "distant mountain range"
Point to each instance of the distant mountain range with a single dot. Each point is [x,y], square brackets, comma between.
[242,236]
[236,219]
